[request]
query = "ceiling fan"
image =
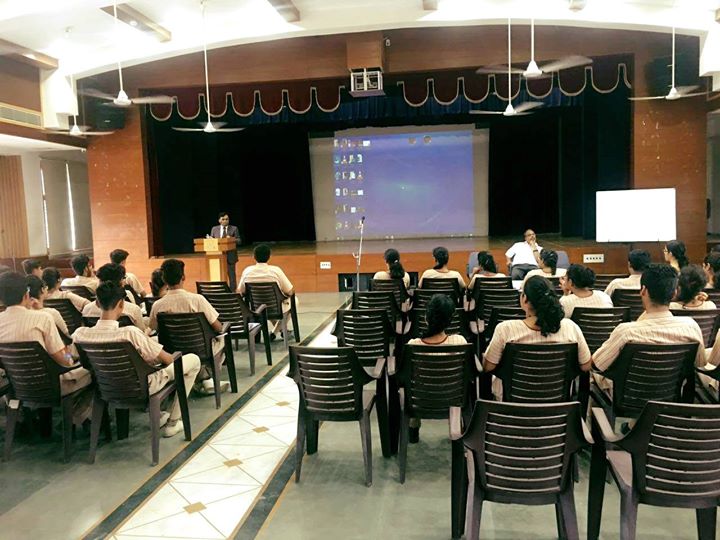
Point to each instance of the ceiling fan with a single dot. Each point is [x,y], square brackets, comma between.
[675,92]
[522,108]
[79,131]
[122,99]
[533,71]
[208,127]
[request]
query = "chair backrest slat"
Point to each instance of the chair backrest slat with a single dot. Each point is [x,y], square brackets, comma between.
[377,300]
[459,323]
[268,293]
[538,372]
[523,451]
[80,290]
[231,308]
[630,298]
[119,371]
[330,381]
[71,316]
[499,314]
[33,375]
[395,286]
[123,321]
[707,319]
[490,298]
[598,323]
[186,333]
[367,331]
[435,378]
[650,372]
[676,452]
[449,286]
[212,287]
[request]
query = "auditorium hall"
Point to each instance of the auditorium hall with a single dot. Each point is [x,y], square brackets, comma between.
[359,269]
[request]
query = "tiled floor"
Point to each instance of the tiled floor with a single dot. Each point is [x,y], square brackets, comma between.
[210,495]
[45,498]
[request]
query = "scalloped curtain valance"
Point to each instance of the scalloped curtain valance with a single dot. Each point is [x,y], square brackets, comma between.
[445,88]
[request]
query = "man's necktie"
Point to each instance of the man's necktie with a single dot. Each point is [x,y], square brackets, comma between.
[224,232]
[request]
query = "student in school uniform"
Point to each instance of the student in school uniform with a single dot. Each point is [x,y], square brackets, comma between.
[577,284]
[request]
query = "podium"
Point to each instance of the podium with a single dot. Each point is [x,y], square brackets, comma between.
[215,250]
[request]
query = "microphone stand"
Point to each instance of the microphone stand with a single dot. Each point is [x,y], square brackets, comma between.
[358,255]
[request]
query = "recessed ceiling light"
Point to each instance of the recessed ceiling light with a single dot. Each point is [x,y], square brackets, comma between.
[133,23]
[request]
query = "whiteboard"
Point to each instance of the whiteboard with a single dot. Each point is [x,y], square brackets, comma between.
[635,215]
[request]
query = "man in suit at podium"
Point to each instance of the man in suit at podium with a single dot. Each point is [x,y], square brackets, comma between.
[225,230]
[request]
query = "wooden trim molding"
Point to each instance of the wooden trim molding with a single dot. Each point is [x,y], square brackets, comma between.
[13,216]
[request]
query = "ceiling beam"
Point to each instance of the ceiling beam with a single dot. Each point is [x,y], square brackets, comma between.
[286,9]
[140,21]
[430,5]
[27,56]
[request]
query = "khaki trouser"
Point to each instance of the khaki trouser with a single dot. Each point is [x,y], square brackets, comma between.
[158,380]
[75,380]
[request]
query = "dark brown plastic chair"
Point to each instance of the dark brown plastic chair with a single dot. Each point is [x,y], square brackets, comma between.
[382,300]
[72,317]
[500,314]
[525,454]
[538,372]
[269,293]
[671,458]
[191,333]
[630,298]
[149,301]
[434,380]
[330,383]
[244,324]
[713,295]
[395,286]
[121,379]
[369,333]
[80,290]
[123,321]
[555,281]
[648,372]
[708,320]
[421,297]
[135,296]
[458,325]
[490,298]
[482,283]
[450,286]
[603,280]
[34,380]
[204,287]
[598,323]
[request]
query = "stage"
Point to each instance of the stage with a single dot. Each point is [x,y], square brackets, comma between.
[301,260]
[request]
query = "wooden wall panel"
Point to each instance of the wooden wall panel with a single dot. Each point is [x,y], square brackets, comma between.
[20,84]
[13,218]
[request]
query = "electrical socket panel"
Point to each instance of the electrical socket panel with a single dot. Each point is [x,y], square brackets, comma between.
[589,258]
[325,265]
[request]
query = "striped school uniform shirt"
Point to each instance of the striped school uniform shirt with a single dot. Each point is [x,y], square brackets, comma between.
[89,282]
[78,301]
[131,310]
[660,328]
[518,332]
[630,282]
[597,299]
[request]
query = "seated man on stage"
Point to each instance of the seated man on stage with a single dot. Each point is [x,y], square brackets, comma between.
[178,300]
[83,274]
[111,298]
[225,230]
[262,271]
[523,256]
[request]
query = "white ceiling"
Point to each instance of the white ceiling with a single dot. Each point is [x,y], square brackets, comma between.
[82,37]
